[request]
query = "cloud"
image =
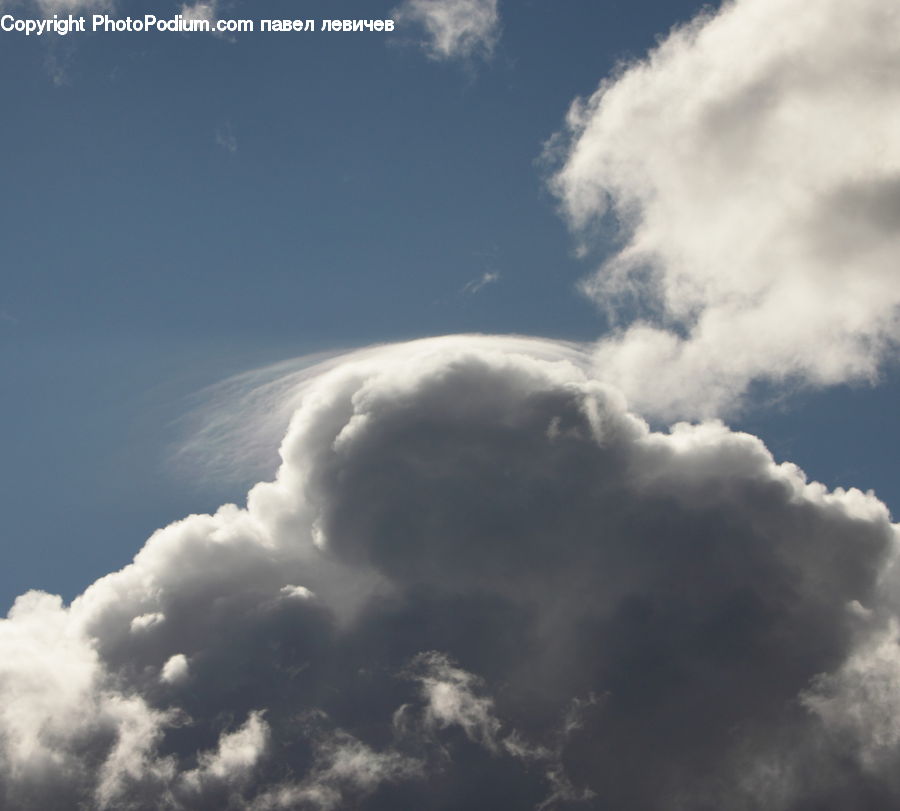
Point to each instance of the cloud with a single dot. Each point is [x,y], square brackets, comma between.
[476,580]
[451,701]
[207,11]
[203,11]
[235,756]
[227,140]
[752,167]
[58,55]
[453,29]
[51,7]
[486,278]
[344,770]
[175,669]
[47,8]
[138,624]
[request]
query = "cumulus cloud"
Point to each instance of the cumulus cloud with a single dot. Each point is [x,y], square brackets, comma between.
[476,581]
[453,29]
[175,669]
[752,166]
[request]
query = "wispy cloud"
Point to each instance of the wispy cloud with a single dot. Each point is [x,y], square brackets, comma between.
[226,139]
[486,278]
[51,7]
[453,29]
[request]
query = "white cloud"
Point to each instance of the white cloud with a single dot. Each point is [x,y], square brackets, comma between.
[175,669]
[297,593]
[861,701]
[146,621]
[202,11]
[47,8]
[344,768]
[51,7]
[58,701]
[454,29]
[132,758]
[753,166]
[486,278]
[450,698]
[235,756]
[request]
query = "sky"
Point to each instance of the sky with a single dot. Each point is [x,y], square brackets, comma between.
[543,359]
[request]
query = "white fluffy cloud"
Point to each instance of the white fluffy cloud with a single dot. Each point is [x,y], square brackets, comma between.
[175,669]
[478,578]
[453,29]
[753,166]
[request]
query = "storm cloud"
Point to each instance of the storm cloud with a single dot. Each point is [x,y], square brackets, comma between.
[478,578]
[477,581]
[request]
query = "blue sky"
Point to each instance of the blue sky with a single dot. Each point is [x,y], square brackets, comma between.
[144,260]
[710,231]
[178,208]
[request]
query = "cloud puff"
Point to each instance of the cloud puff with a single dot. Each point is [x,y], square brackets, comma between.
[752,165]
[454,29]
[477,581]
[200,11]
[175,669]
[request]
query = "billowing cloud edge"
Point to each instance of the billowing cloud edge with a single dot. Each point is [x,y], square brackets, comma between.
[753,181]
[471,570]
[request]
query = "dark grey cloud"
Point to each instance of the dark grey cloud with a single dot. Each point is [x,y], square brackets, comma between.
[476,582]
